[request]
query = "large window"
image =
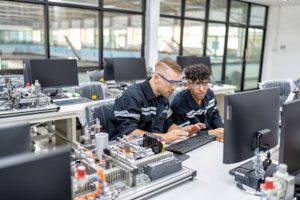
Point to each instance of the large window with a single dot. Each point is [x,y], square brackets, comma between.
[218,10]
[80,2]
[169,30]
[74,34]
[136,5]
[170,7]
[193,38]
[235,54]
[254,51]
[122,35]
[195,8]
[22,33]
[168,37]
[85,30]
[258,14]
[215,48]
[230,32]
[238,12]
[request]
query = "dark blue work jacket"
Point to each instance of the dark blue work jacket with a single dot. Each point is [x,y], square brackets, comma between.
[186,111]
[139,108]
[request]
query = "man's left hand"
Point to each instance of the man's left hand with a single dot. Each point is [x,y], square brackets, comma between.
[194,128]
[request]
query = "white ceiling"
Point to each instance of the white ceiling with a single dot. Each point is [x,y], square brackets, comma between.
[276,2]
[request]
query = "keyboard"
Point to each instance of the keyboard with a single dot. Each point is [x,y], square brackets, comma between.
[71,101]
[191,143]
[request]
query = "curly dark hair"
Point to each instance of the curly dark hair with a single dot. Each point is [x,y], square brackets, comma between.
[197,72]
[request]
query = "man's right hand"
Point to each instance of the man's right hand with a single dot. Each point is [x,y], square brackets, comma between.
[174,135]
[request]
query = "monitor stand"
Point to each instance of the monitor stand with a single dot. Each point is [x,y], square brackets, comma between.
[253,175]
[245,174]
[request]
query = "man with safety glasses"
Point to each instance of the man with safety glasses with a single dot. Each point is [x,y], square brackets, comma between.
[145,107]
[197,104]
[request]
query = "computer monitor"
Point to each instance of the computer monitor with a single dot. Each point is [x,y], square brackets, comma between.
[14,139]
[108,69]
[51,73]
[185,61]
[44,176]
[246,113]
[129,69]
[289,150]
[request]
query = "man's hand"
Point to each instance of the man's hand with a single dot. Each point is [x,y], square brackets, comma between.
[219,132]
[194,128]
[173,135]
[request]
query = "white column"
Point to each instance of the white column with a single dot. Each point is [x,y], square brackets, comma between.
[151,28]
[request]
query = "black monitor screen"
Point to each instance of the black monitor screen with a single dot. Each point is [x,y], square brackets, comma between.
[185,61]
[108,69]
[36,176]
[290,136]
[51,73]
[14,139]
[246,113]
[129,69]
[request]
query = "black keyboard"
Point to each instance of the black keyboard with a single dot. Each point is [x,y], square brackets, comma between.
[71,101]
[191,143]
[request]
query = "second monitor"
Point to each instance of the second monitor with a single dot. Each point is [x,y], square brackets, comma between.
[290,137]
[44,176]
[246,114]
[14,139]
[125,69]
[185,61]
[51,73]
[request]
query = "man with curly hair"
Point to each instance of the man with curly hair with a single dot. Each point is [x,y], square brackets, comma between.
[197,104]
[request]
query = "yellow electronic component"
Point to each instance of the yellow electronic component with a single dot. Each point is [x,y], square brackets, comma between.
[163,146]
[94,97]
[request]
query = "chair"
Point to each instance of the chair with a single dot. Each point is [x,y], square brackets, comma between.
[91,90]
[103,110]
[286,87]
[96,75]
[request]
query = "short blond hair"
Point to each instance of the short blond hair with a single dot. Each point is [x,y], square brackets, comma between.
[172,64]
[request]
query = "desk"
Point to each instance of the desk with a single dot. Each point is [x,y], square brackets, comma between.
[65,119]
[212,181]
